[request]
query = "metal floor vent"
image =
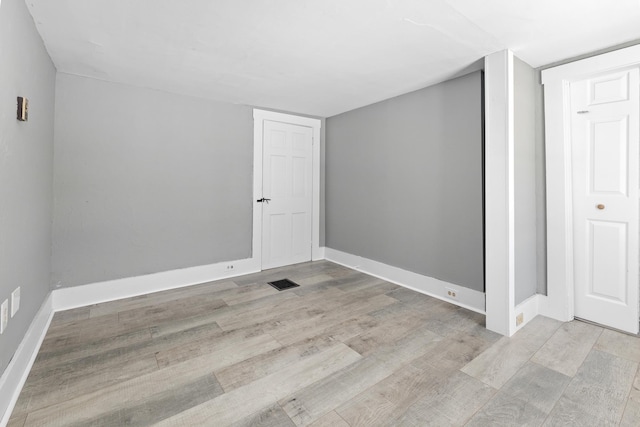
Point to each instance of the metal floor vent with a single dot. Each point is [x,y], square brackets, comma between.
[283,284]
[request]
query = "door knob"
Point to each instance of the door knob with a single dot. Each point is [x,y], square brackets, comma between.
[600,206]
[263,200]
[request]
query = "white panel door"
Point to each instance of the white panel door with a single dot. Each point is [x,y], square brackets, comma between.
[605,162]
[287,186]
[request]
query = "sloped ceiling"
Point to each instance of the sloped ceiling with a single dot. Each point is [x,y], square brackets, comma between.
[318,57]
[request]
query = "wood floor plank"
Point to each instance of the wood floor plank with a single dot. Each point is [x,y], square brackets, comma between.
[242,310]
[171,310]
[238,318]
[452,352]
[273,416]
[17,420]
[50,357]
[631,415]
[388,400]
[249,370]
[289,330]
[138,390]
[568,347]
[233,406]
[330,419]
[307,405]
[221,343]
[452,404]
[506,410]
[496,365]
[599,390]
[537,385]
[71,378]
[163,405]
[60,318]
[43,392]
[619,344]
[147,300]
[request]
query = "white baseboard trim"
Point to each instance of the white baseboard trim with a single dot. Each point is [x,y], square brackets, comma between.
[16,374]
[318,254]
[529,309]
[553,308]
[94,293]
[467,298]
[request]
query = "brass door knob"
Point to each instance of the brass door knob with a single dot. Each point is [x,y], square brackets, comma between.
[600,206]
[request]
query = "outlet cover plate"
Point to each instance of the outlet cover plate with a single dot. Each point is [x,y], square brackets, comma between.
[4,315]
[15,301]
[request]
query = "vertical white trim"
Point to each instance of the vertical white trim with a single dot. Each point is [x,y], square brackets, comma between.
[259,116]
[499,193]
[559,302]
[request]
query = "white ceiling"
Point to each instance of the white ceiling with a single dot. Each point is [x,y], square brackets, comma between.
[318,57]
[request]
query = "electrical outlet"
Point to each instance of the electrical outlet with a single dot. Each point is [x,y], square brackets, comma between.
[452,293]
[15,301]
[4,315]
[519,319]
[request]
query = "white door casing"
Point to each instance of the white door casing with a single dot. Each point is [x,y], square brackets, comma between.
[559,301]
[271,127]
[286,185]
[605,158]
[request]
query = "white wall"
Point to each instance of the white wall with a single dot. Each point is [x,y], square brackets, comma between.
[147,181]
[26,162]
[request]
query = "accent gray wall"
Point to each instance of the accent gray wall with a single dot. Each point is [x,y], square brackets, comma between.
[404,182]
[541,190]
[147,181]
[525,181]
[26,164]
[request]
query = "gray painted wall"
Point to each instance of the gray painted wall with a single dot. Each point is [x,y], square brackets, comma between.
[525,181]
[26,163]
[404,182]
[541,190]
[147,181]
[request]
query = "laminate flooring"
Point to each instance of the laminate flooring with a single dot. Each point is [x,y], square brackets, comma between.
[343,349]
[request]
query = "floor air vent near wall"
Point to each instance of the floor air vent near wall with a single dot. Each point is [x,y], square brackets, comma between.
[283,284]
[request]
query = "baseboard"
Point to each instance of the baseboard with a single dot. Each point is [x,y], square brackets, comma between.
[467,298]
[318,253]
[16,374]
[553,308]
[529,309]
[81,296]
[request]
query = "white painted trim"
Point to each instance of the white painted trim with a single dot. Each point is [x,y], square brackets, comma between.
[529,308]
[499,193]
[17,371]
[259,116]
[622,58]
[95,293]
[321,254]
[467,298]
[559,302]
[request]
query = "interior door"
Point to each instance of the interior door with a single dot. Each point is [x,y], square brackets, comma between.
[287,194]
[605,119]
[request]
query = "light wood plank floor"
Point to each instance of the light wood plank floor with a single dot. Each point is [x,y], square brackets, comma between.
[343,349]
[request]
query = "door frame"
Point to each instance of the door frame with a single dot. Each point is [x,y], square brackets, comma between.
[559,302]
[259,116]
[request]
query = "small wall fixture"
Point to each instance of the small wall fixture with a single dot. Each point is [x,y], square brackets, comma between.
[23,109]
